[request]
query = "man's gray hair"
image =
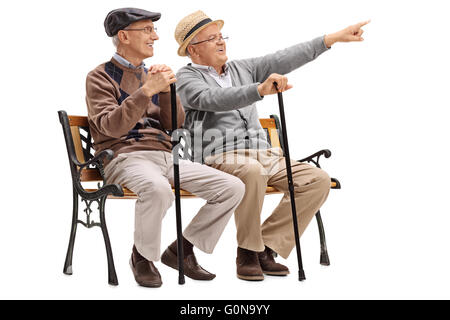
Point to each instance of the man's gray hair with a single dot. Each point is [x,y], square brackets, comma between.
[193,40]
[115,40]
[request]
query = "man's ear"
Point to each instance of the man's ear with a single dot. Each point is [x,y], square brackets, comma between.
[191,51]
[123,36]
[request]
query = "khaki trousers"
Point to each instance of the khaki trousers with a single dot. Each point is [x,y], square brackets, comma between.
[258,169]
[149,174]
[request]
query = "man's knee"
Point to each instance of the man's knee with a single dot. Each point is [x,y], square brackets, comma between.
[254,173]
[157,192]
[323,180]
[235,188]
[317,180]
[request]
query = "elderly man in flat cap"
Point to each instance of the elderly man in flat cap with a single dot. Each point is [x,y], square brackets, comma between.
[220,98]
[129,112]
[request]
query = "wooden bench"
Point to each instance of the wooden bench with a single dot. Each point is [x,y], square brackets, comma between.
[85,167]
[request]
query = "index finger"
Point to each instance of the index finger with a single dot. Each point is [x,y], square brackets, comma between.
[362,23]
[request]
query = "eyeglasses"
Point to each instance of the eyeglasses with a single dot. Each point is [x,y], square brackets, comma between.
[212,39]
[147,30]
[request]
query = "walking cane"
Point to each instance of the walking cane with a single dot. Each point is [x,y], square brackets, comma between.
[301,273]
[176,178]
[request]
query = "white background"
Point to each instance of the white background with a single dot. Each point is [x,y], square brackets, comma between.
[381,106]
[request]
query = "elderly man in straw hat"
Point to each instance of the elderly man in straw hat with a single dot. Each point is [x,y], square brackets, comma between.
[129,112]
[220,102]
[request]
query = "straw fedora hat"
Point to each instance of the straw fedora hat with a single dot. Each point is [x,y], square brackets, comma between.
[189,26]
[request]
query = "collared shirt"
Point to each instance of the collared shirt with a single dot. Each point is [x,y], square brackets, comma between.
[223,80]
[125,62]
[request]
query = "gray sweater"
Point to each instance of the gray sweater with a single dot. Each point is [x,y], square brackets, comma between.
[223,119]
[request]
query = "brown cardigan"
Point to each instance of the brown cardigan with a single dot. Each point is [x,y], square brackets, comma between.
[121,117]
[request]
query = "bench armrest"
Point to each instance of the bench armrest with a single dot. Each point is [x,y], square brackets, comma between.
[315,158]
[97,161]
[113,189]
[108,154]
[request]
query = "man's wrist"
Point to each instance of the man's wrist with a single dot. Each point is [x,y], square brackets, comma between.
[148,92]
[260,90]
[330,39]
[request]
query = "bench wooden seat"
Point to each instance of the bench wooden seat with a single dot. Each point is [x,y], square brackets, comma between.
[85,168]
[128,194]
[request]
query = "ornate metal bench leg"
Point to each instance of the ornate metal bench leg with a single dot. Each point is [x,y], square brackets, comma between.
[324,259]
[112,276]
[73,231]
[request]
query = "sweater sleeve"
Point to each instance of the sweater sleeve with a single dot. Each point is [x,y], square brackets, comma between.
[110,118]
[284,61]
[197,94]
[165,113]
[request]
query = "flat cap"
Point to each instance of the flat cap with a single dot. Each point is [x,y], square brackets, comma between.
[119,19]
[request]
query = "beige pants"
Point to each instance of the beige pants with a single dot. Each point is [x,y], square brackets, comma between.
[149,174]
[258,169]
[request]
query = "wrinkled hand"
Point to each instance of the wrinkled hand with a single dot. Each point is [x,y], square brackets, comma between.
[349,34]
[159,79]
[268,87]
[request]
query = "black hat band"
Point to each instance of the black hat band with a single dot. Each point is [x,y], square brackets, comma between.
[198,25]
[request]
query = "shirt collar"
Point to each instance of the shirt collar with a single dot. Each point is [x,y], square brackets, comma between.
[126,63]
[209,68]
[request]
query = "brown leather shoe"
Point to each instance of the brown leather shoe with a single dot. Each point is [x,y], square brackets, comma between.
[269,265]
[145,272]
[247,265]
[191,267]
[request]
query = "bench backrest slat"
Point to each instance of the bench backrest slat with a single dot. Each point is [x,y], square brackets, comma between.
[270,126]
[79,121]
[77,143]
